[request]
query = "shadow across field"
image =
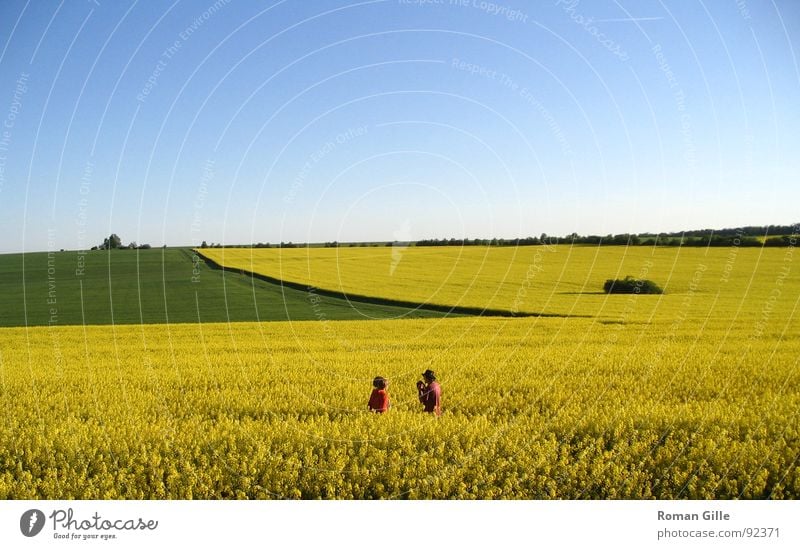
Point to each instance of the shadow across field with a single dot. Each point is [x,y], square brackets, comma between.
[381,301]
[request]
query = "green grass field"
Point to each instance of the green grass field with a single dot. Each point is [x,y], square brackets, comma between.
[156,286]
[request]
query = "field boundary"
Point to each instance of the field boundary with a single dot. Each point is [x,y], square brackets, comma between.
[373,300]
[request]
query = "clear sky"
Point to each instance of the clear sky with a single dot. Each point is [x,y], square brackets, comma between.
[237,122]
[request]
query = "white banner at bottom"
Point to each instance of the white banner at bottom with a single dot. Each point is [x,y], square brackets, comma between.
[390,524]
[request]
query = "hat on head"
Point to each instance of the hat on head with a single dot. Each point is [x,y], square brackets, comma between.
[428,374]
[379,382]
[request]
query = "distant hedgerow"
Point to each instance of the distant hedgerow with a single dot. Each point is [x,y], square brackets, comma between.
[630,285]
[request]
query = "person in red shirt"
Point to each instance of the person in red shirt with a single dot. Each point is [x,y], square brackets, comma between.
[430,393]
[379,399]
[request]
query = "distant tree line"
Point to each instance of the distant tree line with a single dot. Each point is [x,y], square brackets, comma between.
[333,244]
[754,230]
[114,242]
[771,235]
[205,244]
[529,241]
[751,236]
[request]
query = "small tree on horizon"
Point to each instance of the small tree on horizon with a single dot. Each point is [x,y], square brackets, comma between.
[112,242]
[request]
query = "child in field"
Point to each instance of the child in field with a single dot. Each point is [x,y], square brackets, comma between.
[379,399]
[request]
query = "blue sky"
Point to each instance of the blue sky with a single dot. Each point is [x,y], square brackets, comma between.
[235,122]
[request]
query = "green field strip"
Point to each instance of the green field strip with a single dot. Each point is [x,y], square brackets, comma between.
[157,286]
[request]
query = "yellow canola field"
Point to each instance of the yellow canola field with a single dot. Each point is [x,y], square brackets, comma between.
[754,286]
[533,408]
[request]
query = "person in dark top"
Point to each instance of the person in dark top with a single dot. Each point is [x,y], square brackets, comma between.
[379,399]
[430,393]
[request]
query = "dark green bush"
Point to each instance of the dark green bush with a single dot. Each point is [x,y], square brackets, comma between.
[630,285]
